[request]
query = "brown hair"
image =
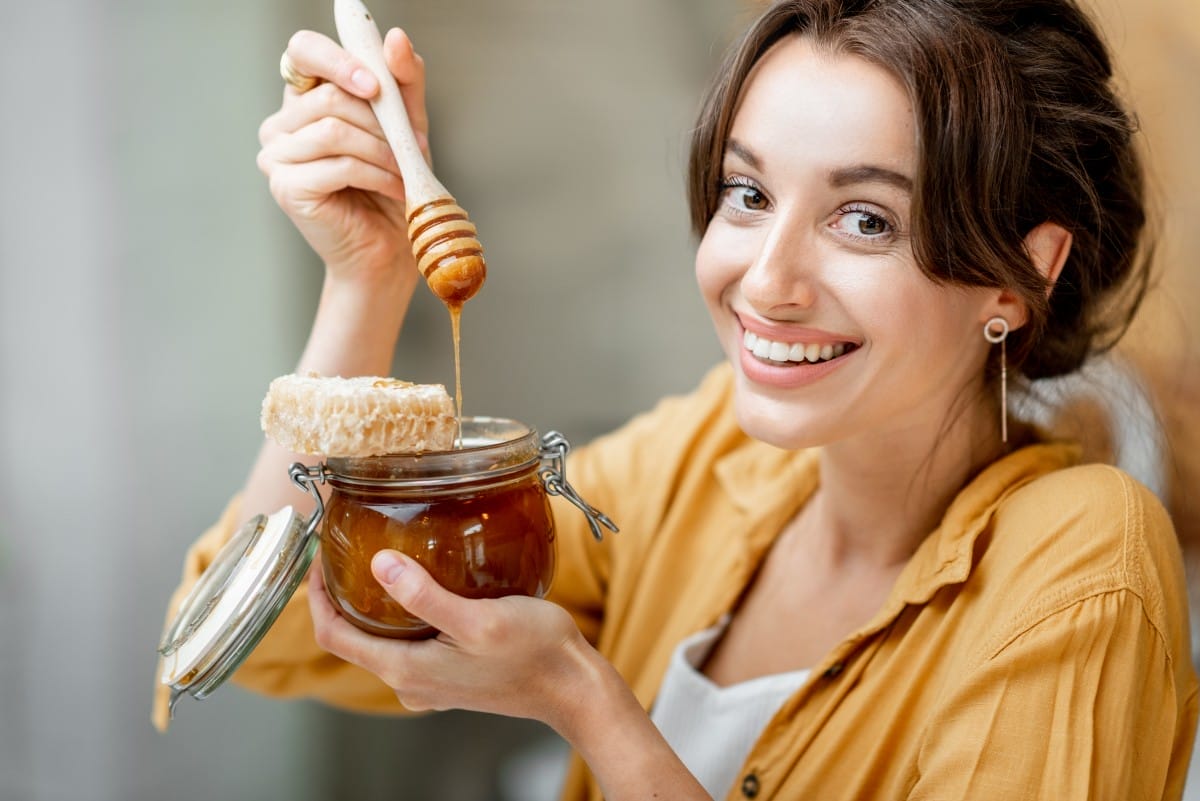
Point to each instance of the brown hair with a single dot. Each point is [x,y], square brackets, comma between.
[1017,124]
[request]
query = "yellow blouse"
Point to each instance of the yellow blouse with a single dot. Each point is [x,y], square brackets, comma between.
[1035,646]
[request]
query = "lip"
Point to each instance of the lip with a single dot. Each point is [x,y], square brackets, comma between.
[792,374]
[789,333]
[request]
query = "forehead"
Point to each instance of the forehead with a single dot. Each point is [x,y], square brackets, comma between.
[828,107]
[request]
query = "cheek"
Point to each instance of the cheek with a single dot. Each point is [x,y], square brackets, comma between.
[935,326]
[718,266]
[906,315]
[713,274]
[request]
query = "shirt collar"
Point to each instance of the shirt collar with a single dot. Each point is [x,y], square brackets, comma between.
[769,485]
[947,555]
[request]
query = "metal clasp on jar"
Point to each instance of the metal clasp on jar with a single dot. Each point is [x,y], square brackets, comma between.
[307,478]
[554,479]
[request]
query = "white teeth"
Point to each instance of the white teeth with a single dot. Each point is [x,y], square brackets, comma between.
[796,352]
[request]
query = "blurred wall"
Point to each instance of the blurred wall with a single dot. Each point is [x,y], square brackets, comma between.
[150,290]
[1158,47]
[141,305]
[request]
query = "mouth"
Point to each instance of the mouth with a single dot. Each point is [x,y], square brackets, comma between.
[790,353]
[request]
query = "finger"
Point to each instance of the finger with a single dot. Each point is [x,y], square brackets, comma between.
[333,632]
[331,137]
[326,100]
[317,55]
[397,663]
[315,180]
[336,634]
[319,605]
[324,615]
[409,70]
[417,591]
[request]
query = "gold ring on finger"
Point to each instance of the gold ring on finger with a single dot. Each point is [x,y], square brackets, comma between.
[296,79]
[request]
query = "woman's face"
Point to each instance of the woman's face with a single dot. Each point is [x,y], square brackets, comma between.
[807,266]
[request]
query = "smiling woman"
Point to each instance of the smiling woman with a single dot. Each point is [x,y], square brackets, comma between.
[811,200]
[842,571]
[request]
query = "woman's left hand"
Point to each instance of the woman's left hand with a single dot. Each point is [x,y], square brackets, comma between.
[515,656]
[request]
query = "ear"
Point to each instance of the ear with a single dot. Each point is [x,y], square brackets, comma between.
[1048,246]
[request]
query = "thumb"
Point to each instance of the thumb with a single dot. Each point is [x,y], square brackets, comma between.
[417,591]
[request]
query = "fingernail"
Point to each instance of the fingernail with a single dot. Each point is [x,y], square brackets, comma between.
[387,567]
[363,81]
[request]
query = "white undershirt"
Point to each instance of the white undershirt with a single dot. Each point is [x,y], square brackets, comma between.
[711,728]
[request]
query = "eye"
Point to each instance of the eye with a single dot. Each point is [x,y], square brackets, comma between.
[864,223]
[751,198]
[740,195]
[871,225]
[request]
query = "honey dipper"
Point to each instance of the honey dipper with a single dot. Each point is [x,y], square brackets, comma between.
[443,240]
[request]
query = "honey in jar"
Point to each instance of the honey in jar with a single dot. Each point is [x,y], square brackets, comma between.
[477,518]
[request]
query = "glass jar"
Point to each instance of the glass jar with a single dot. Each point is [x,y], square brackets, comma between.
[477,518]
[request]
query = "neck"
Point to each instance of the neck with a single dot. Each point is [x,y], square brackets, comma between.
[881,496]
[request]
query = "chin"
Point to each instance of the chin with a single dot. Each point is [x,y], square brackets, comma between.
[777,423]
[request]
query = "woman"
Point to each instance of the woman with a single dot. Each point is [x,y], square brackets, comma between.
[843,572]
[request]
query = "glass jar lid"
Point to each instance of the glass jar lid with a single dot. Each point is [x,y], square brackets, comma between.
[234,602]
[489,448]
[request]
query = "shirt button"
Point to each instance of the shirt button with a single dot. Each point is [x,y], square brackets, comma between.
[834,670]
[750,786]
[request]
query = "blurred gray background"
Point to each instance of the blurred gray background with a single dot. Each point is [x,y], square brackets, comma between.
[151,289]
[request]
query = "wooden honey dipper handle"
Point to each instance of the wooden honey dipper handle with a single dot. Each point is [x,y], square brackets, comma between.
[443,239]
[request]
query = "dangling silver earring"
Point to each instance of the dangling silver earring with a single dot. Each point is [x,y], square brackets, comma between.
[995,331]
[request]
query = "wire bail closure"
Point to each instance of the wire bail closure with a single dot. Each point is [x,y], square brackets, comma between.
[307,478]
[554,479]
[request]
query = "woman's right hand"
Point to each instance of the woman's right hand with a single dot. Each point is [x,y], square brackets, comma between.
[332,172]
[330,167]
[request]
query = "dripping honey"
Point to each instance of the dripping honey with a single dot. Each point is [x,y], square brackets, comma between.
[455,320]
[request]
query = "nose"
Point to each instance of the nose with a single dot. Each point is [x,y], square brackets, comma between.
[782,276]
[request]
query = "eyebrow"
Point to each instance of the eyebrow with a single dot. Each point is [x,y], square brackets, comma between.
[743,152]
[869,174]
[839,177]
